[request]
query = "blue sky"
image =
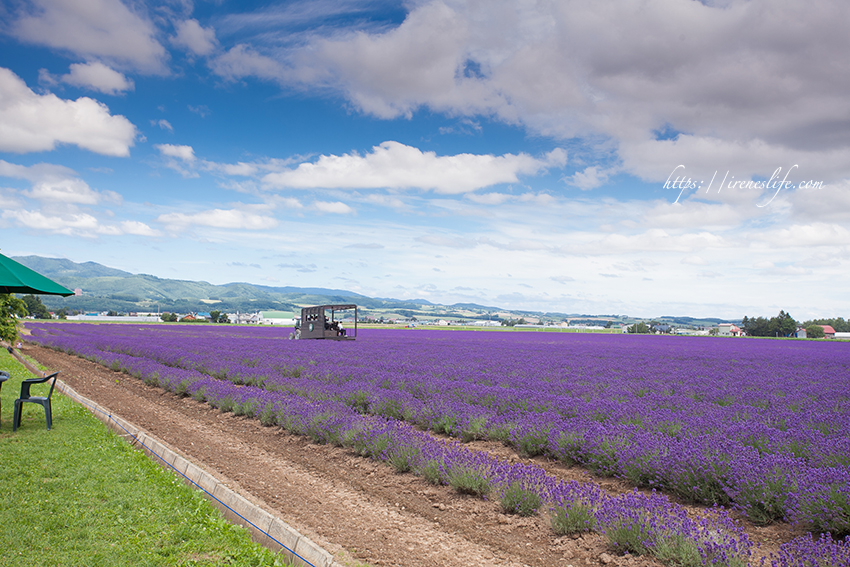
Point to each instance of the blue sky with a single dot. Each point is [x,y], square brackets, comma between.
[644,157]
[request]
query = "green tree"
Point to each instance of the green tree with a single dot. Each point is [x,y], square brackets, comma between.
[35,307]
[12,310]
[783,325]
[814,331]
[756,327]
[837,323]
[640,328]
[169,317]
[219,317]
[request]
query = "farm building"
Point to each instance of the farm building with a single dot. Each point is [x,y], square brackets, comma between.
[728,330]
[828,331]
[286,318]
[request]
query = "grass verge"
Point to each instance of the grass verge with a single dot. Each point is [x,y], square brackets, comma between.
[80,495]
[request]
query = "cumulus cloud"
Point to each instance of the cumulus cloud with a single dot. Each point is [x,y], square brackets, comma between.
[663,81]
[197,39]
[184,153]
[180,158]
[30,122]
[218,218]
[243,61]
[53,184]
[95,29]
[590,178]
[78,224]
[138,228]
[74,191]
[99,77]
[397,166]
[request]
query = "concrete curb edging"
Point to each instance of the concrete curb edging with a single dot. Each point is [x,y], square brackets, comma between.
[266,528]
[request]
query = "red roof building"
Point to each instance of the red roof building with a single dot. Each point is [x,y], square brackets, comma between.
[828,331]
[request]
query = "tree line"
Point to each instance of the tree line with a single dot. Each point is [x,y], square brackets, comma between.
[783,325]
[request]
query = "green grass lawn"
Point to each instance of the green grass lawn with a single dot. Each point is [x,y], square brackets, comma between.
[79,495]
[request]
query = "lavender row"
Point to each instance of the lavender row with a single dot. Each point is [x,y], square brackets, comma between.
[759,424]
[634,522]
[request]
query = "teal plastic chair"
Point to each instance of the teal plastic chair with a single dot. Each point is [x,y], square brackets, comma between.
[3,377]
[44,401]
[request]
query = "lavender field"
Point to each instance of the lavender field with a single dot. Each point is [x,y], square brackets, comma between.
[760,426]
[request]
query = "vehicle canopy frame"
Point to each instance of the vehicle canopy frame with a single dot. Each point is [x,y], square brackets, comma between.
[322,322]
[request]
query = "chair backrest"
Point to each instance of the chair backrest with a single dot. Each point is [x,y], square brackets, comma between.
[25,385]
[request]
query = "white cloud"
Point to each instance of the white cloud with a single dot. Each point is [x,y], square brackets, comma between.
[337,207]
[163,124]
[201,110]
[590,178]
[219,218]
[241,169]
[101,29]
[805,235]
[32,123]
[242,61]
[397,166]
[184,153]
[830,203]
[180,158]
[9,198]
[629,72]
[138,228]
[712,162]
[54,184]
[76,224]
[194,37]
[692,214]
[74,191]
[99,77]
[386,201]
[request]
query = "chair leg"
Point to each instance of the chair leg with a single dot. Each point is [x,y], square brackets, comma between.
[16,418]
[48,413]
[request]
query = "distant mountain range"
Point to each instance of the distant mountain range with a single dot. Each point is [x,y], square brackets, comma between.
[104,289]
[108,289]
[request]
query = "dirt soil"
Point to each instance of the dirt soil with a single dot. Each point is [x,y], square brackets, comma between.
[357,509]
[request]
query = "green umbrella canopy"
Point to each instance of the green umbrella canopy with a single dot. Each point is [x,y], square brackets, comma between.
[17,278]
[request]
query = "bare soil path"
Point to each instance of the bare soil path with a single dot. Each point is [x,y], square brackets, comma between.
[357,509]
